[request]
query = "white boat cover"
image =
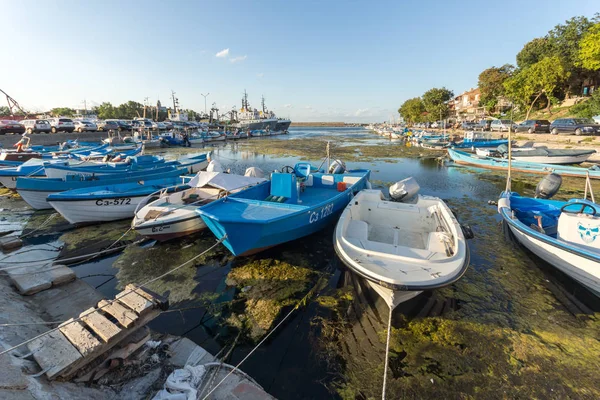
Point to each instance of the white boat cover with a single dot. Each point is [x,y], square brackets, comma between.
[221,180]
[214,166]
[254,172]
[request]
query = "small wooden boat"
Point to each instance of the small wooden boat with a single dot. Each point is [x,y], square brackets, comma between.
[292,205]
[173,214]
[564,234]
[401,249]
[20,156]
[460,157]
[544,155]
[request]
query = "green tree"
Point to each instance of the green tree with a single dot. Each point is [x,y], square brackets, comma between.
[588,108]
[533,52]
[106,111]
[541,78]
[436,103]
[491,85]
[130,110]
[589,49]
[5,111]
[62,112]
[412,110]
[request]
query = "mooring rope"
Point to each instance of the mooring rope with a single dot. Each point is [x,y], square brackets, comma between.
[387,351]
[110,302]
[236,367]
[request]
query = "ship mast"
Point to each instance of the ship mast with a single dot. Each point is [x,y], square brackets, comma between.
[263,105]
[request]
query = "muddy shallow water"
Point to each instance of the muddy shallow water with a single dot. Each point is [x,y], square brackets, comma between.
[513,327]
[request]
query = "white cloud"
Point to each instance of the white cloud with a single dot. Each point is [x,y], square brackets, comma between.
[223,53]
[287,106]
[260,74]
[238,59]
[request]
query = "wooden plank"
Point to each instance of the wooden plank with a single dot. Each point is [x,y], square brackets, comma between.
[123,315]
[54,353]
[76,366]
[79,337]
[136,302]
[100,324]
[161,301]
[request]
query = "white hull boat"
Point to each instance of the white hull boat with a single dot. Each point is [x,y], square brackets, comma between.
[89,211]
[401,249]
[174,215]
[36,199]
[569,241]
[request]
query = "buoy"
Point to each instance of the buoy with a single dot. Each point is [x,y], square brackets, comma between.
[10,243]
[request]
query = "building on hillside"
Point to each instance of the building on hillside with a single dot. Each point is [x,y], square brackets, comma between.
[466,106]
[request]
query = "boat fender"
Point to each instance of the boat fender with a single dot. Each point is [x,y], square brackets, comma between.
[548,186]
[467,232]
[503,203]
[404,190]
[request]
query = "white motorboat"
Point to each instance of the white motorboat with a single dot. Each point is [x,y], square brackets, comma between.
[540,155]
[401,249]
[174,214]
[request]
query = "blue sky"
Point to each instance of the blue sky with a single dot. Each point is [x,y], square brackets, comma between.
[353,61]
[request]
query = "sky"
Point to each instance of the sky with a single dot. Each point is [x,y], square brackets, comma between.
[327,60]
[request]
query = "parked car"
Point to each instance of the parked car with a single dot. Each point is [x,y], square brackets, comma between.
[85,126]
[9,126]
[502,125]
[534,126]
[484,125]
[578,126]
[468,126]
[61,125]
[36,125]
[123,126]
[107,125]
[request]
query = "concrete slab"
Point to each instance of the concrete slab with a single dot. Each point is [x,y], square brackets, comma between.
[60,303]
[184,351]
[10,394]
[54,353]
[29,281]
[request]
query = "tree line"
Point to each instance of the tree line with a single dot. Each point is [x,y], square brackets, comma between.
[548,70]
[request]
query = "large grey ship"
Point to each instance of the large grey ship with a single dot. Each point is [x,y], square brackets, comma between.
[253,119]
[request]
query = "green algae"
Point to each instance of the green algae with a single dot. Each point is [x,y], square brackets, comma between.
[84,236]
[354,150]
[268,286]
[139,264]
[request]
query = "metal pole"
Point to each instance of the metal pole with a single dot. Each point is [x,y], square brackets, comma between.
[508,177]
[205,96]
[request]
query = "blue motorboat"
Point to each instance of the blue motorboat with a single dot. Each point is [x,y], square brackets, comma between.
[110,202]
[565,234]
[35,190]
[479,143]
[460,157]
[290,206]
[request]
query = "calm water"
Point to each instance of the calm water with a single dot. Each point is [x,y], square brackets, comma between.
[289,365]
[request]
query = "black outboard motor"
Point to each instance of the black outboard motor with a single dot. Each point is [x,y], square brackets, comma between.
[548,186]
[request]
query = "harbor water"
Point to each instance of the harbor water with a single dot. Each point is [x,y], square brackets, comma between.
[512,327]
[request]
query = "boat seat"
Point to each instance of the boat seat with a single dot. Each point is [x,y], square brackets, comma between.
[283,186]
[358,230]
[192,197]
[435,242]
[276,199]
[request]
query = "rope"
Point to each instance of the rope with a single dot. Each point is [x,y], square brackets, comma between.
[41,226]
[301,301]
[387,350]
[122,294]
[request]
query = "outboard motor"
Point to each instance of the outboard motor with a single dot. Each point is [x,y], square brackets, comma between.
[404,190]
[502,149]
[548,186]
[337,167]
[254,172]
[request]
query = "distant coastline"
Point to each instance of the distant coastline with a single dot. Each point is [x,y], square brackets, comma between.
[319,124]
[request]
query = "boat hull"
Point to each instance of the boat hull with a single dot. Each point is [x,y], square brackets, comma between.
[172,229]
[576,266]
[554,160]
[98,210]
[36,199]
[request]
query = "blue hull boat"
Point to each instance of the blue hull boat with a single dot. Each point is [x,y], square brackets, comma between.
[277,212]
[460,157]
[564,234]
[35,190]
[470,144]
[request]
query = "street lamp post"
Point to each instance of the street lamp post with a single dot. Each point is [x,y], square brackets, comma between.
[205,96]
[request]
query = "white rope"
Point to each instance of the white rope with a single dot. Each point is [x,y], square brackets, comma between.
[110,302]
[387,350]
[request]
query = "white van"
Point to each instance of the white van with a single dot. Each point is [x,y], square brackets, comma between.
[36,125]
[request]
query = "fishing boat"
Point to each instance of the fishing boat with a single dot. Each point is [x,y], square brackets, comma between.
[566,234]
[292,205]
[544,155]
[400,248]
[260,133]
[140,163]
[213,136]
[34,168]
[473,140]
[109,202]
[173,214]
[460,157]
[34,191]
[18,156]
